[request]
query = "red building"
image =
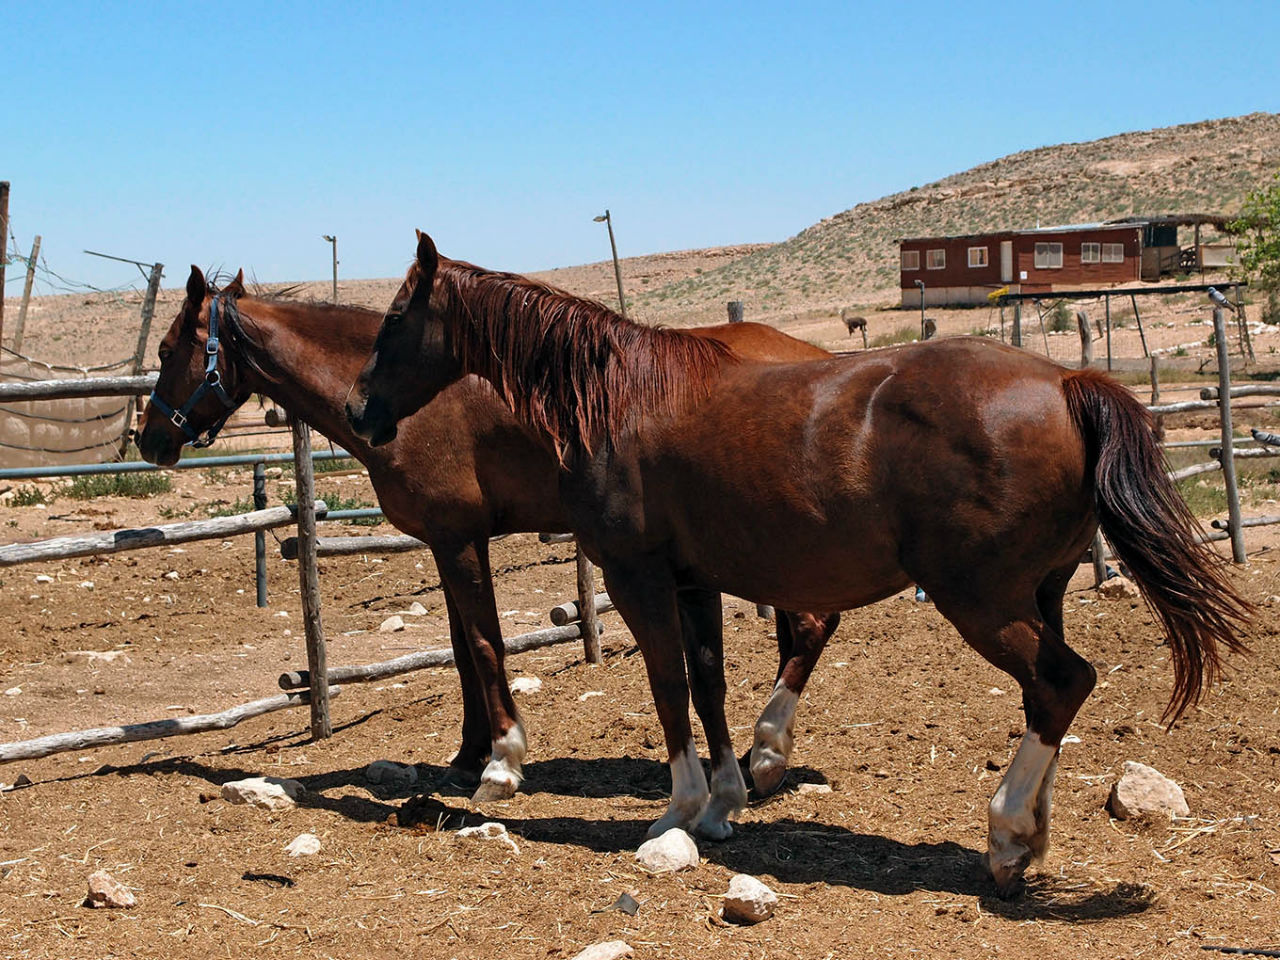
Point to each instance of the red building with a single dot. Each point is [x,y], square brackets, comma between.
[965,269]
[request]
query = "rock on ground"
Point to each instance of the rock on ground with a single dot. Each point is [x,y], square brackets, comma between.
[526,685]
[674,850]
[387,771]
[1143,791]
[489,831]
[392,624]
[268,793]
[607,950]
[1119,588]
[106,891]
[748,900]
[303,845]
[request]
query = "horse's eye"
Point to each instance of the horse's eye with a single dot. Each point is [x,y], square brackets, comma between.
[391,319]
[165,354]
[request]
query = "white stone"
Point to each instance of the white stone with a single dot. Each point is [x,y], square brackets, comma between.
[674,850]
[606,950]
[388,771]
[489,831]
[86,584]
[391,624]
[814,788]
[172,575]
[13,692]
[43,578]
[748,900]
[583,698]
[526,685]
[303,845]
[106,891]
[1144,791]
[1119,588]
[268,793]
[416,610]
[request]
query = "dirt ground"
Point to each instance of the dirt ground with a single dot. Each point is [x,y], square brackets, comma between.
[909,727]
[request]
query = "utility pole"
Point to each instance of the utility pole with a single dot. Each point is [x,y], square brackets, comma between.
[617,271]
[4,245]
[334,241]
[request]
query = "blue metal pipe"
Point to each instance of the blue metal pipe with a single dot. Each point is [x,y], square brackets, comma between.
[190,463]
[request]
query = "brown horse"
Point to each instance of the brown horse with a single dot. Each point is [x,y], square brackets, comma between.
[461,471]
[975,470]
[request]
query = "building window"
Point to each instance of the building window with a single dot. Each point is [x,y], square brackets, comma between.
[977,256]
[936,259]
[1048,256]
[1113,253]
[910,259]
[1090,252]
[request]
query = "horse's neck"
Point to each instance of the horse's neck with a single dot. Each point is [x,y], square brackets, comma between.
[314,353]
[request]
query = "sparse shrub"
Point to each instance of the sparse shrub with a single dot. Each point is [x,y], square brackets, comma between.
[27,496]
[907,334]
[136,485]
[1060,318]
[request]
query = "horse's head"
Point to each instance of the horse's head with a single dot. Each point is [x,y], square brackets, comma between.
[198,388]
[412,358]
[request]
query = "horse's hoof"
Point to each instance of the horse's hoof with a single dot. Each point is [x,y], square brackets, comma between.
[713,829]
[1008,873]
[768,772]
[491,791]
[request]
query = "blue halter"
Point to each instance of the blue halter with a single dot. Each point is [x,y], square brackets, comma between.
[212,381]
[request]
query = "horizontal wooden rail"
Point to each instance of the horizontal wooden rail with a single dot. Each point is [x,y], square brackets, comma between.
[70,389]
[347,546]
[568,612]
[152,730]
[1244,390]
[115,541]
[431,658]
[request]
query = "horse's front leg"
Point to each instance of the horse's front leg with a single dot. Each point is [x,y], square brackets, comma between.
[464,569]
[801,640]
[467,764]
[645,595]
[702,623]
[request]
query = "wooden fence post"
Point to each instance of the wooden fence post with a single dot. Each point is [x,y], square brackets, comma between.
[1099,558]
[587,609]
[26,295]
[1228,454]
[1086,340]
[1015,336]
[1155,396]
[140,350]
[1138,317]
[4,246]
[260,538]
[735,311]
[309,580]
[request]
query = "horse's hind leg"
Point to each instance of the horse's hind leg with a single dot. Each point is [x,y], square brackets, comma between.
[1027,644]
[702,630]
[464,570]
[806,634]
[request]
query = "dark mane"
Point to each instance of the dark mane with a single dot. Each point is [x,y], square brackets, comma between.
[568,366]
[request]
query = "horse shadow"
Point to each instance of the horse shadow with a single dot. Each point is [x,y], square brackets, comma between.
[793,851]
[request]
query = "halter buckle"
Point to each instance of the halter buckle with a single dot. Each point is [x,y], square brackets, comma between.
[211,346]
[178,420]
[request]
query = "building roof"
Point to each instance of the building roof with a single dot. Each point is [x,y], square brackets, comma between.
[1160,220]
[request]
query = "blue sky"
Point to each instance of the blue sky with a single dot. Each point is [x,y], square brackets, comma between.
[236,134]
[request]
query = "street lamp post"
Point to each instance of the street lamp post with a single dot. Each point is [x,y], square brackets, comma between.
[617,271]
[334,241]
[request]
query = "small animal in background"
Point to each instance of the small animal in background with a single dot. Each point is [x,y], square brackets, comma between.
[853,323]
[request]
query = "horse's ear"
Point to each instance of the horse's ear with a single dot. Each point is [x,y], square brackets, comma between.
[428,258]
[196,287]
[236,287]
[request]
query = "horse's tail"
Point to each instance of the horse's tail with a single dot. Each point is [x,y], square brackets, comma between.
[1155,535]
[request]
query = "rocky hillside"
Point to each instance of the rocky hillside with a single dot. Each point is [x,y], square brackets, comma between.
[851,258]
